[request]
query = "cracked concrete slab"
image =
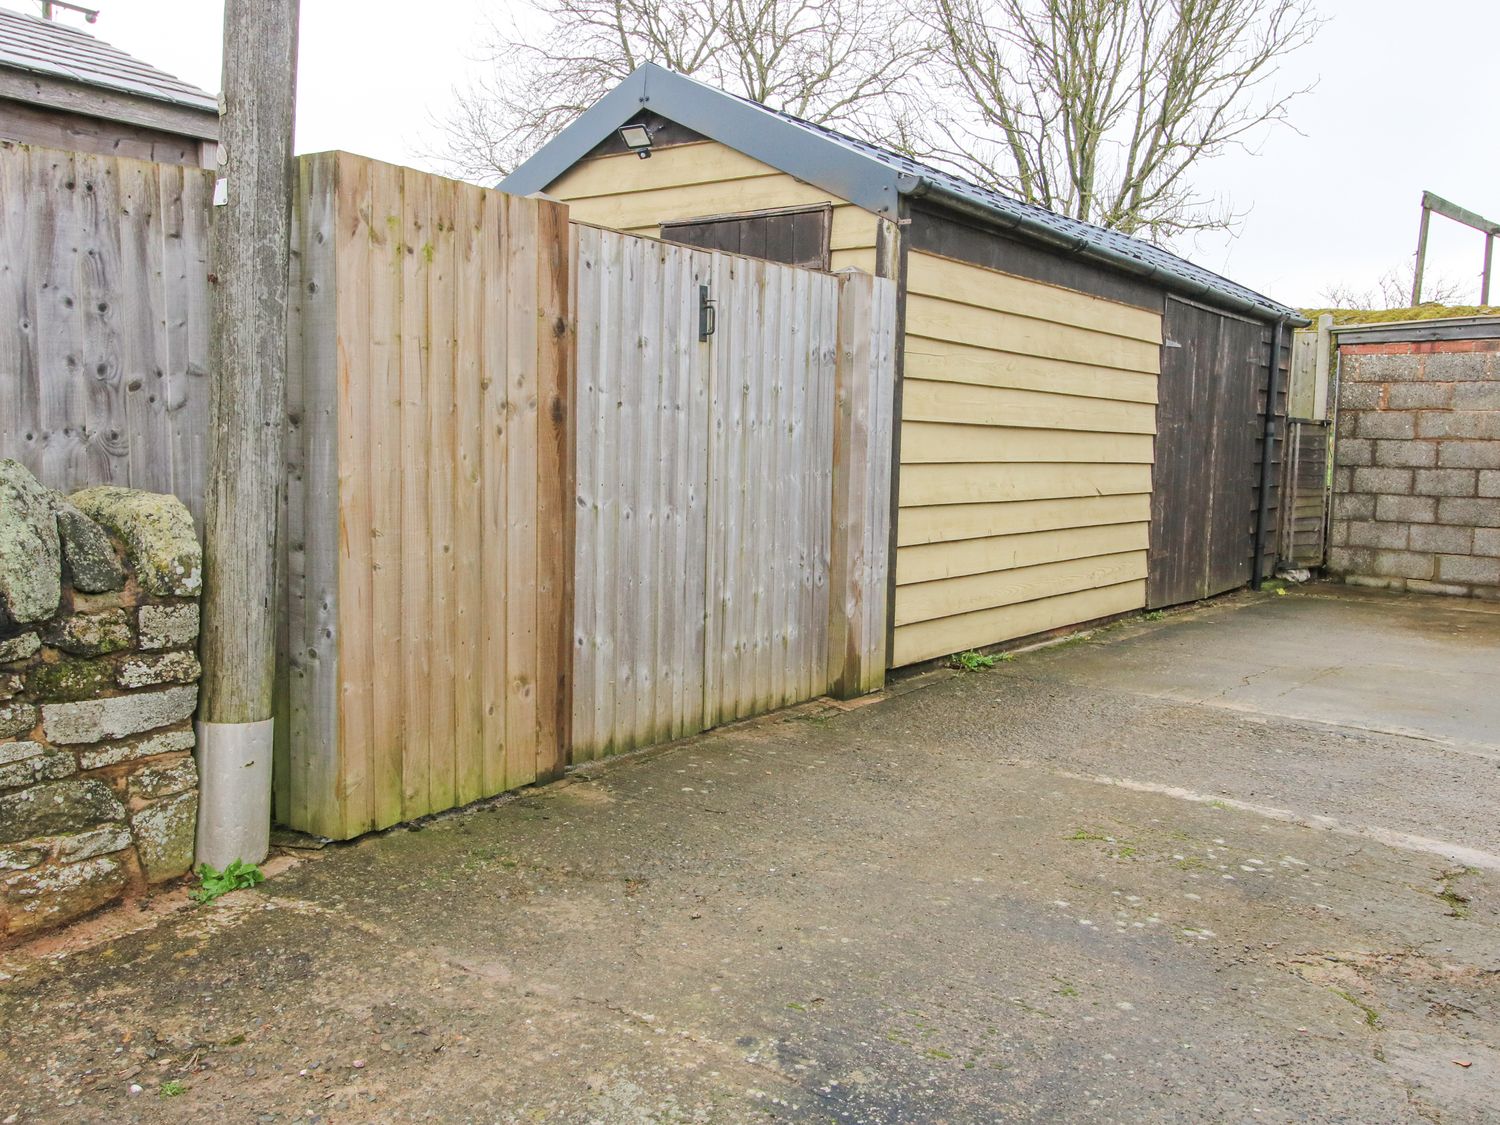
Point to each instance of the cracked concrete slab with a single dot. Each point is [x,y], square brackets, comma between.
[925,909]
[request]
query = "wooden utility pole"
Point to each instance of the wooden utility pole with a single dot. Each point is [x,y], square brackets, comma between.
[249,358]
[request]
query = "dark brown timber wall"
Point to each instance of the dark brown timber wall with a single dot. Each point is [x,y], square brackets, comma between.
[1205,489]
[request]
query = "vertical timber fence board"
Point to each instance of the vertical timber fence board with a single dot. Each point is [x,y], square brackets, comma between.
[556,509]
[383,463]
[521,491]
[863,416]
[350,803]
[431,474]
[104,291]
[308,765]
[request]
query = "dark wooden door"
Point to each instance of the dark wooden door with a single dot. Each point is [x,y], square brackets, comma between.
[795,236]
[1203,494]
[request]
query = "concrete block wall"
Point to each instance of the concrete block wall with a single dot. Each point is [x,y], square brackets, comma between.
[1416,481]
[98,684]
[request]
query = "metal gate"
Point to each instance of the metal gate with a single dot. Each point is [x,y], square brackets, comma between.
[705,462]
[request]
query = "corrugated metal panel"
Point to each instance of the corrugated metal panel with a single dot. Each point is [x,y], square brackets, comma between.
[40,46]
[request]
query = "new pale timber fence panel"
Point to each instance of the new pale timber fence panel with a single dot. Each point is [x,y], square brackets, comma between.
[733,487]
[104,296]
[428,516]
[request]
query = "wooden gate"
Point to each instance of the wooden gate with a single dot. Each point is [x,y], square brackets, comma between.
[1205,479]
[706,396]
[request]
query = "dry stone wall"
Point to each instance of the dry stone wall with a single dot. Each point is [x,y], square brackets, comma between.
[98,684]
[1416,483]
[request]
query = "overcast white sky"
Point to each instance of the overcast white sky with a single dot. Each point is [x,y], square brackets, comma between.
[1406,99]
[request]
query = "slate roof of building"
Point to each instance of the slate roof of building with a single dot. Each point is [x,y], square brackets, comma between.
[870,176]
[57,50]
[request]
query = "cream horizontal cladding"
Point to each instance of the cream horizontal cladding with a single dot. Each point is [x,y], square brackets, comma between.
[927,639]
[929,562]
[696,180]
[1028,427]
[944,523]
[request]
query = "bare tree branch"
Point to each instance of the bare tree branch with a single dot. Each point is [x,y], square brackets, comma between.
[1392,290]
[854,64]
[1101,109]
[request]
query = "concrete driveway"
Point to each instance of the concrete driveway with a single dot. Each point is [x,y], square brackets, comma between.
[1238,864]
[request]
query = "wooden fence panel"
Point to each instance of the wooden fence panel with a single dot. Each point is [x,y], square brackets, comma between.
[643,438]
[429,497]
[774,360]
[1304,492]
[707,488]
[104,294]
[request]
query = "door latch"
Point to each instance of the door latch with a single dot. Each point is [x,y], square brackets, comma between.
[708,314]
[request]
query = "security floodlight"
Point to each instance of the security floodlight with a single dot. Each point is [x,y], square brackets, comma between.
[637,139]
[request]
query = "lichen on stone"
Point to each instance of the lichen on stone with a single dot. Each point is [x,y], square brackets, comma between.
[30,551]
[47,766]
[164,834]
[168,626]
[61,808]
[16,718]
[92,563]
[90,634]
[23,647]
[44,896]
[67,680]
[168,668]
[112,753]
[158,534]
[162,779]
[99,720]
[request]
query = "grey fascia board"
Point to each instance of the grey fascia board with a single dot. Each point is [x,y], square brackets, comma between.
[741,125]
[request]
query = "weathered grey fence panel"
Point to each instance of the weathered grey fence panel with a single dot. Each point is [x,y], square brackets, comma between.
[774,360]
[727,562]
[1304,483]
[104,292]
[642,481]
